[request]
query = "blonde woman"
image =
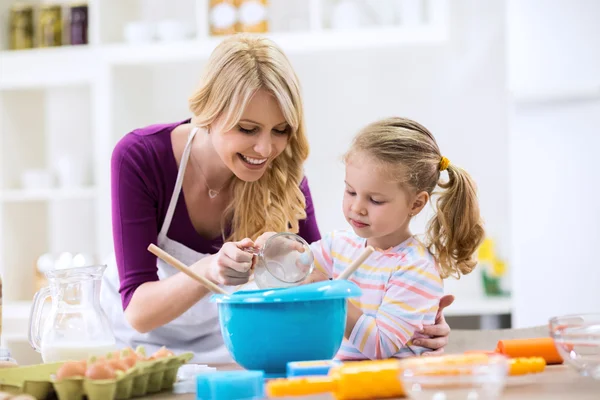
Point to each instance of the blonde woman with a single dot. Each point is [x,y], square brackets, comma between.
[203,189]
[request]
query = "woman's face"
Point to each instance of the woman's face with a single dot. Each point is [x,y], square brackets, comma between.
[261,135]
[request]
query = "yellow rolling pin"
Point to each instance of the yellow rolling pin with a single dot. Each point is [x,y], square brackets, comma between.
[354,380]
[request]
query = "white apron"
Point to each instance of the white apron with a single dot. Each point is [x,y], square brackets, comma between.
[196,330]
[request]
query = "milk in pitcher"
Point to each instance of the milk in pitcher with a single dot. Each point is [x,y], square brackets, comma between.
[75,351]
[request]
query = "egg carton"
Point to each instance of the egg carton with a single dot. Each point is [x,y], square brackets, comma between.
[145,377]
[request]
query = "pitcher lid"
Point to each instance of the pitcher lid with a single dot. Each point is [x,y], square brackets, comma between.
[323,290]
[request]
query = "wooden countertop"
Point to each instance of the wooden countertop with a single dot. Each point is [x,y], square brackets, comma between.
[556,383]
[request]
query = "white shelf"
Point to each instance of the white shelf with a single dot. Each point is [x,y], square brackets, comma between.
[19,196]
[46,67]
[76,65]
[554,95]
[291,43]
[478,306]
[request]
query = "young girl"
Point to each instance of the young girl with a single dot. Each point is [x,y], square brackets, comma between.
[392,169]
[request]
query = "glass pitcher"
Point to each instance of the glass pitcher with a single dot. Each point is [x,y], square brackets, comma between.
[76,327]
[284,260]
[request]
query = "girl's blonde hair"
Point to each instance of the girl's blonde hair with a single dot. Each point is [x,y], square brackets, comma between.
[412,153]
[237,68]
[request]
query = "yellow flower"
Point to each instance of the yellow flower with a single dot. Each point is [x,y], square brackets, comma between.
[486,250]
[499,268]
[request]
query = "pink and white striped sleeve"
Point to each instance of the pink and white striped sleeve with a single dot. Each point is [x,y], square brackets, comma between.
[322,252]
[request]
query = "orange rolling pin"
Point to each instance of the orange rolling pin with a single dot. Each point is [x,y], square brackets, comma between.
[538,347]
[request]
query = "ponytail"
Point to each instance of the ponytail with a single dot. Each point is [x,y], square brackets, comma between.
[456,231]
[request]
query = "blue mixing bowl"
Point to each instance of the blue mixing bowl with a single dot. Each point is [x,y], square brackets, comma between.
[266,329]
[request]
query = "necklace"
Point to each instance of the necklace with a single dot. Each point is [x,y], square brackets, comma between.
[212,193]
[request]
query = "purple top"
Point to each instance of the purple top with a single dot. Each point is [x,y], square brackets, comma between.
[143,174]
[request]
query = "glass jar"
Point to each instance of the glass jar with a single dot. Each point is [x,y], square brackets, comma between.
[21,27]
[78,30]
[252,16]
[50,25]
[222,17]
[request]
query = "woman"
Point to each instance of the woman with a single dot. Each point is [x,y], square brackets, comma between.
[238,167]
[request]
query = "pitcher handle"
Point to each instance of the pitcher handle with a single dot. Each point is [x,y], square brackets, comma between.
[35,318]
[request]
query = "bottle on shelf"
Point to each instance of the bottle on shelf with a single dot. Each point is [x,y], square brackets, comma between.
[222,17]
[21,27]
[50,25]
[78,24]
[252,16]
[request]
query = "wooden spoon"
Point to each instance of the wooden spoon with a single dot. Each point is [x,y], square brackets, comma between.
[357,263]
[166,257]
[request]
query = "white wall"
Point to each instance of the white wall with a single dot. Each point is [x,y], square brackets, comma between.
[554,148]
[457,90]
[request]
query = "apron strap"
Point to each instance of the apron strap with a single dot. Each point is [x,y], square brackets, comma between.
[179,181]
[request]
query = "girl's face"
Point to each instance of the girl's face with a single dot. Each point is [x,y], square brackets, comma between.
[261,135]
[376,207]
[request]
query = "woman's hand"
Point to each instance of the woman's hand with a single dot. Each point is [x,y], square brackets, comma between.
[262,239]
[437,333]
[231,265]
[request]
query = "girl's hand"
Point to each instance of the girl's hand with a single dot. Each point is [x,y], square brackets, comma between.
[278,246]
[315,276]
[231,265]
[437,333]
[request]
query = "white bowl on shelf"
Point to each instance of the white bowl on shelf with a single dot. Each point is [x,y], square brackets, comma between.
[139,32]
[37,179]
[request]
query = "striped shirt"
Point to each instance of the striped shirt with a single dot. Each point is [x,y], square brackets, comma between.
[401,289]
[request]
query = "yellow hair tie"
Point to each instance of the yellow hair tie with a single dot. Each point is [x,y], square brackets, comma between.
[444,162]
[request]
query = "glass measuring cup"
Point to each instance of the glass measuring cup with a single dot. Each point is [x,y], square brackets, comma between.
[75,327]
[284,260]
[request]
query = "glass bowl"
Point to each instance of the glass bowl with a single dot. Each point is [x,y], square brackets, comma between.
[455,377]
[577,339]
[285,260]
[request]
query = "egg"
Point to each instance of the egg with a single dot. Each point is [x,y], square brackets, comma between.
[70,369]
[130,361]
[94,359]
[127,351]
[118,365]
[129,357]
[100,370]
[162,353]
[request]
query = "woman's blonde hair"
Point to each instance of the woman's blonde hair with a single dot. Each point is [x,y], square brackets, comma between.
[237,68]
[413,156]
